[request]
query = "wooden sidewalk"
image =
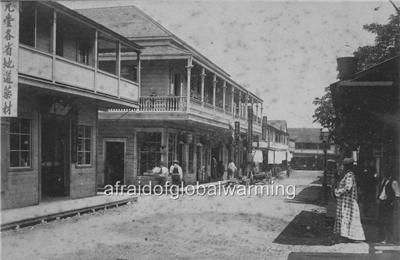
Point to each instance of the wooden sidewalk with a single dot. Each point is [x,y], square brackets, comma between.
[53,210]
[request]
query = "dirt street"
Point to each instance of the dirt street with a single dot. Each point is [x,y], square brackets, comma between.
[197,227]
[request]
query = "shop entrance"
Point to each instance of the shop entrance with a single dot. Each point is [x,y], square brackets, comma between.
[114,162]
[55,156]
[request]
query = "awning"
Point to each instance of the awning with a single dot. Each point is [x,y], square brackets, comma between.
[257,156]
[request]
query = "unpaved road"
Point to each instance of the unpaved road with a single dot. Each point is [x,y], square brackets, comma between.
[197,227]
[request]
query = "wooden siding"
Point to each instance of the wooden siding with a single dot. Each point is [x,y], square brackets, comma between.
[20,187]
[83,179]
[155,78]
[112,129]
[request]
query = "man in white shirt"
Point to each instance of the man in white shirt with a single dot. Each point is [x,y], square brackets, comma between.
[176,173]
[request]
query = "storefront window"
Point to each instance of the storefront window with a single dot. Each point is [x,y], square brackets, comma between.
[84,145]
[20,142]
[149,150]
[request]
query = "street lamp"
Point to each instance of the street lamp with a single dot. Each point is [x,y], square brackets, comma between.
[325,138]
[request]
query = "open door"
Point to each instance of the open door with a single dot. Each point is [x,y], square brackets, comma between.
[55,156]
[114,162]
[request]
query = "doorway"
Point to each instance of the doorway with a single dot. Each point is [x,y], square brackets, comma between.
[55,156]
[114,162]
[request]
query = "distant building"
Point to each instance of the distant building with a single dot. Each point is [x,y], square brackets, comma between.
[274,142]
[307,149]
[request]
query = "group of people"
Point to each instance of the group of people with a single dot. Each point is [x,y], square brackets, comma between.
[348,225]
[174,174]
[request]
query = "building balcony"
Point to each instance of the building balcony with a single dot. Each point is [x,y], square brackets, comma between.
[174,107]
[52,68]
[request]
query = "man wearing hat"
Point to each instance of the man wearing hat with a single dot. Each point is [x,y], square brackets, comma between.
[348,221]
[176,173]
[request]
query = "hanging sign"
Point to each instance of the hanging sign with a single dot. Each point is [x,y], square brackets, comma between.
[9,16]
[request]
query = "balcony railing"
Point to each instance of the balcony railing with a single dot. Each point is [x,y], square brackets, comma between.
[162,104]
[43,65]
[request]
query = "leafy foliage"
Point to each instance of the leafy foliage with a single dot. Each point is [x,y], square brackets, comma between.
[387,45]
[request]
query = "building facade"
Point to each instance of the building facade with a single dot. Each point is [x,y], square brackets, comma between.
[368,122]
[274,143]
[67,67]
[187,112]
[308,152]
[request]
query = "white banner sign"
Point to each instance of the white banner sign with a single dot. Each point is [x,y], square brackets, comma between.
[9,57]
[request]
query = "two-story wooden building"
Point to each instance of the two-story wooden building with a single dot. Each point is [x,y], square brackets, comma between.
[274,143]
[67,67]
[188,106]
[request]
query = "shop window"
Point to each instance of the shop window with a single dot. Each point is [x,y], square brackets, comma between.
[149,149]
[20,143]
[84,145]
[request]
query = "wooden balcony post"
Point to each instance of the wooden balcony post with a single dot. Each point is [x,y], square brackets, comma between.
[139,73]
[223,95]
[247,99]
[54,44]
[118,65]
[257,112]
[189,70]
[203,76]
[214,89]
[96,50]
[240,104]
[233,101]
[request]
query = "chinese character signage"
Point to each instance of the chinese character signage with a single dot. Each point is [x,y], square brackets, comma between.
[9,57]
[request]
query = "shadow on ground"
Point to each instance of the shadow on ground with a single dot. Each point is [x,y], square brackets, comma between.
[309,195]
[307,228]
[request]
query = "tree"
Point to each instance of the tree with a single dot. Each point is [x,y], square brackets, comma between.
[387,45]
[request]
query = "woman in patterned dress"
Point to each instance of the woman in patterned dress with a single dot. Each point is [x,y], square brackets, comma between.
[348,221]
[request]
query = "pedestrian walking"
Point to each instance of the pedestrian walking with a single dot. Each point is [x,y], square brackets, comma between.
[348,222]
[389,202]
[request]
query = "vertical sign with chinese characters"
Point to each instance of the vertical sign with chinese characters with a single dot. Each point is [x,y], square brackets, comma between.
[9,57]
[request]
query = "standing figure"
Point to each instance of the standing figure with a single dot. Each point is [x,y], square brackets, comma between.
[231,169]
[389,199]
[176,173]
[348,221]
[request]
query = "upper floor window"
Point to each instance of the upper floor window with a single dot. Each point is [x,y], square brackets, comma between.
[20,143]
[35,28]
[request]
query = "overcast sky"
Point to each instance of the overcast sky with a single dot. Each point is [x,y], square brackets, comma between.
[285,52]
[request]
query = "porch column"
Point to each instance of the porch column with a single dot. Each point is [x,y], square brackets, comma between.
[189,70]
[257,112]
[96,39]
[118,64]
[54,43]
[233,101]
[240,104]
[214,89]
[186,160]
[247,99]
[203,76]
[223,96]
[139,72]
[261,110]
